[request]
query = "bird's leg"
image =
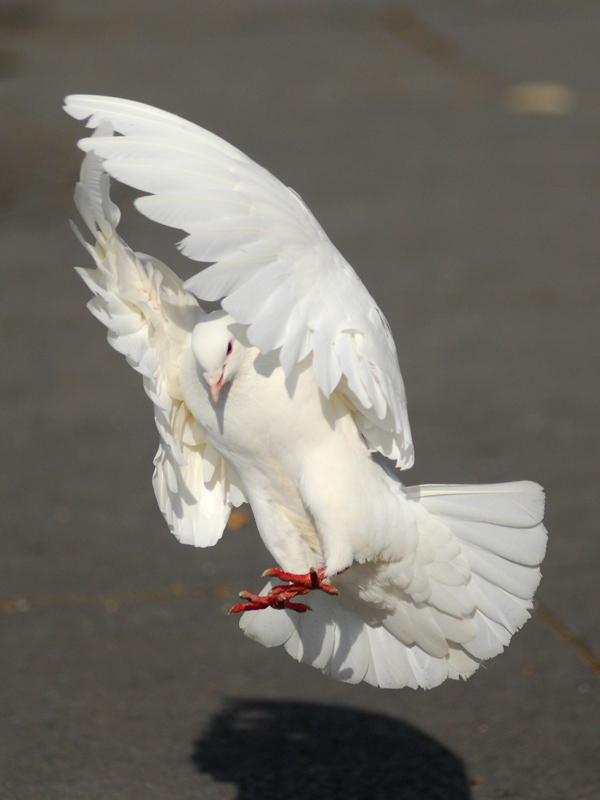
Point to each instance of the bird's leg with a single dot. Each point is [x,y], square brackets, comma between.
[281,596]
[308,581]
[278,597]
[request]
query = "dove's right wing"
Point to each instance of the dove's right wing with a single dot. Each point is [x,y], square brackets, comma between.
[150,318]
[276,270]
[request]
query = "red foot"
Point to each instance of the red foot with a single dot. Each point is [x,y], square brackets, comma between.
[308,581]
[281,596]
[275,599]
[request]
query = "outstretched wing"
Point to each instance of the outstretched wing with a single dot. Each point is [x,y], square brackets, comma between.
[150,318]
[275,269]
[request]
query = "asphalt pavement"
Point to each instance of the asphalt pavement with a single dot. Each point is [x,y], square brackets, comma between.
[452,152]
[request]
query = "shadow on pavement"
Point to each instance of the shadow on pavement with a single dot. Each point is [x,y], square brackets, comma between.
[273,749]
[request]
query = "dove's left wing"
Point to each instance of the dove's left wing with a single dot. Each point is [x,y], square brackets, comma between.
[275,269]
[150,318]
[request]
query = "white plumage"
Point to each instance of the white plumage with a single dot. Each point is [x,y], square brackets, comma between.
[281,399]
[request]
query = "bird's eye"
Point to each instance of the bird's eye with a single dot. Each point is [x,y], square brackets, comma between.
[229,348]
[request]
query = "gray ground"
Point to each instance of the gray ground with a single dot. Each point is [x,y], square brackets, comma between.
[474,218]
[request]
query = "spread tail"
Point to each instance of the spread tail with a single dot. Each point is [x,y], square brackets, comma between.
[467,589]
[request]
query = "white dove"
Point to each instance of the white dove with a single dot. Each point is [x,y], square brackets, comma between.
[281,399]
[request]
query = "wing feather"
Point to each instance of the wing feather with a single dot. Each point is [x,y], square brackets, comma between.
[150,318]
[275,269]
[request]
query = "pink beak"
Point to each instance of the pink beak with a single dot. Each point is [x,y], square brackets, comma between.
[214,384]
[215,388]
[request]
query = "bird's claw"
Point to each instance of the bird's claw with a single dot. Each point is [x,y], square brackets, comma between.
[309,581]
[281,596]
[275,599]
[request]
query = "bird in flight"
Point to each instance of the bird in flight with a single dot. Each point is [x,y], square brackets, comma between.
[280,399]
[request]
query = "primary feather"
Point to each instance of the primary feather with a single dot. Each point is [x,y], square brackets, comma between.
[280,399]
[150,318]
[276,271]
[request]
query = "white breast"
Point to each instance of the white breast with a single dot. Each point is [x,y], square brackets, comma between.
[304,468]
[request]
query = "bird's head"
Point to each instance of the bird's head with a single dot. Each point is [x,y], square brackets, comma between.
[216,349]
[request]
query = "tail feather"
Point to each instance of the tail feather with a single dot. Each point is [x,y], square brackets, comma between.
[491,639]
[519,580]
[498,605]
[500,536]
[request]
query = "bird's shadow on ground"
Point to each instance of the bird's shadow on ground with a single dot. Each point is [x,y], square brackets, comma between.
[274,749]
